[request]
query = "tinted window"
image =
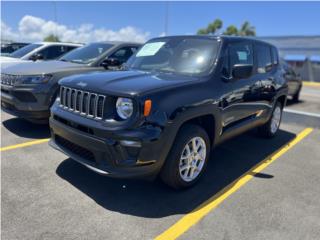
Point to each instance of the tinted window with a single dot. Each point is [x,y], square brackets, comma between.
[123,54]
[53,52]
[275,58]
[11,48]
[263,58]
[180,55]
[87,54]
[25,50]
[237,53]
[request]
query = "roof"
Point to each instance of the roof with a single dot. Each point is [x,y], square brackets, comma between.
[60,43]
[118,42]
[296,45]
[226,37]
[299,58]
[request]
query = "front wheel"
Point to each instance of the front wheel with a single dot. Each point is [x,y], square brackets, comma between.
[271,128]
[188,157]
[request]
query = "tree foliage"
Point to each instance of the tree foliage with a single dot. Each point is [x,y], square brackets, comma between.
[51,38]
[213,28]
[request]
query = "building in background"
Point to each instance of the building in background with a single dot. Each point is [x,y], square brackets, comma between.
[302,52]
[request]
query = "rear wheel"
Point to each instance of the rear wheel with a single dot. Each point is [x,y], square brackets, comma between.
[271,128]
[295,97]
[188,157]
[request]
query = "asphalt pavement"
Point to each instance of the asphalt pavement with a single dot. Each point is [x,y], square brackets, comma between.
[45,195]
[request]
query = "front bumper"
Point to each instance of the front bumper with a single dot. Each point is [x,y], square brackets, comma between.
[103,151]
[26,102]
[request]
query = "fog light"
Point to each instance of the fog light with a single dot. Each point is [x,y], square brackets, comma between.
[129,143]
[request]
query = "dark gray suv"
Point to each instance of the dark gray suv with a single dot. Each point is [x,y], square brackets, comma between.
[29,89]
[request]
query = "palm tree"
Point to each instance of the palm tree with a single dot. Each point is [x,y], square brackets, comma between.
[247,30]
[231,30]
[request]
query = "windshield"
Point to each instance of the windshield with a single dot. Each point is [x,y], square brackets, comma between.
[24,51]
[181,55]
[86,54]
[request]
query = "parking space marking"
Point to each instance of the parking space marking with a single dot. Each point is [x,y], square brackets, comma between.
[26,144]
[311,84]
[302,112]
[201,211]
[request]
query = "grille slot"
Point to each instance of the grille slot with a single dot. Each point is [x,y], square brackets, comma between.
[82,102]
[8,79]
[75,149]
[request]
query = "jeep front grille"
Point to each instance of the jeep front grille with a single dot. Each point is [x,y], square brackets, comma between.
[8,79]
[82,102]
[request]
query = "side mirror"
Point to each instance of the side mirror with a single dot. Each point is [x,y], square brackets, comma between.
[110,62]
[240,71]
[37,56]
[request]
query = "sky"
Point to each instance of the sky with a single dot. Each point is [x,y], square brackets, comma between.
[140,21]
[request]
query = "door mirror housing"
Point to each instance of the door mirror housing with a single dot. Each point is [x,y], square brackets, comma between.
[240,71]
[110,62]
[37,56]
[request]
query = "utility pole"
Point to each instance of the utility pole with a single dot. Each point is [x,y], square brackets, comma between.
[55,15]
[166,19]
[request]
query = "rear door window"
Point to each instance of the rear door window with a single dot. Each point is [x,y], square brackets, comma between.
[264,61]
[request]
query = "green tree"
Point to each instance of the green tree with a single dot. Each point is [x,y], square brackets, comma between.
[231,30]
[202,31]
[51,38]
[212,28]
[247,30]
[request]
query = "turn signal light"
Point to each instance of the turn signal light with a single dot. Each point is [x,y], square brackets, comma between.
[147,107]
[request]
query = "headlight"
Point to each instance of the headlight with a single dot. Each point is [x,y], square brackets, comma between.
[34,79]
[124,108]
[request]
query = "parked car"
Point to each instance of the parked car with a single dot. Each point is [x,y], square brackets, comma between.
[37,51]
[294,81]
[178,97]
[8,48]
[29,89]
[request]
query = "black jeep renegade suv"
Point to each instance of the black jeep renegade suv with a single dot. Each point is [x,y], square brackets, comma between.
[177,97]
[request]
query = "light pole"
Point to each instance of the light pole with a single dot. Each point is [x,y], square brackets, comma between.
[166,19]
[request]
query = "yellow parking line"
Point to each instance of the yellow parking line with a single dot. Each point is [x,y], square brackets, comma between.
[26,144]
[197,214]
[311,84]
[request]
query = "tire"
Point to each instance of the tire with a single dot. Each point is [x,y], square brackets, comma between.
[295,97]
[271,128]
[172,172]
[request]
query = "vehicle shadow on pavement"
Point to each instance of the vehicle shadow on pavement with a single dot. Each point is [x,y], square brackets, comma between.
[23,128]
[155,200]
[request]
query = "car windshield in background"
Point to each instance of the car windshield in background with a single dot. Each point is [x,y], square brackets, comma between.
[86,54]
[24,51]
[187,56]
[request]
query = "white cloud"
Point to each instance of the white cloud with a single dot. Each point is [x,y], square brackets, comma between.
[6,32]
[35,29]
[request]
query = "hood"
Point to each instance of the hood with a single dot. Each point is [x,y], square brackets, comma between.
[4,65]
[43,67]
[125,82]
[9,59]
